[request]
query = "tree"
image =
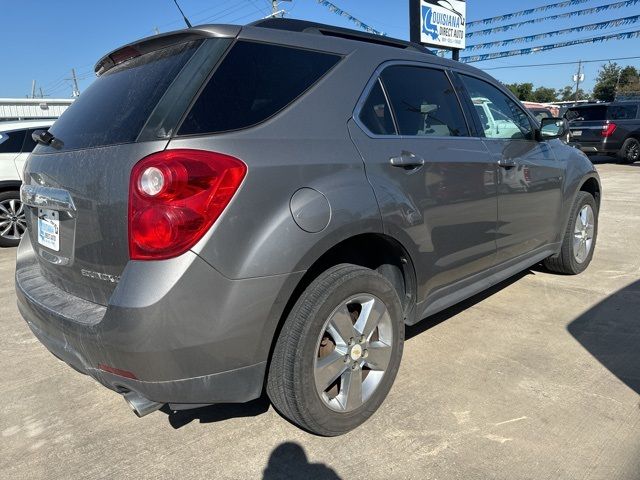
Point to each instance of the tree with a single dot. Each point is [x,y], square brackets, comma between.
[612,78]
[524,91]
[569,93]
[628,75]
[544,95]
[605,88]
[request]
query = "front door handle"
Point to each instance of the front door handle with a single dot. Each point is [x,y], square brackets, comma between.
[407,160]
[507,163]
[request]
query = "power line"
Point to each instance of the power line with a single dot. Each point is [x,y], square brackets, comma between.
[531,65]
[338,11]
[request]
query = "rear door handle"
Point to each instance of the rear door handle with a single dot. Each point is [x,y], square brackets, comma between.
[407,160]
[507,163]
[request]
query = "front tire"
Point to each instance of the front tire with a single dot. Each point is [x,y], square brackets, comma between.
[630,151]
[338,352]
[579,240]
[12,219]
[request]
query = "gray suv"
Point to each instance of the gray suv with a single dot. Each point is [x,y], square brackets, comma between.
[228,210]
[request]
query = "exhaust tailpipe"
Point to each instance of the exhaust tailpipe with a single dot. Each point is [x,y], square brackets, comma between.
[140,405]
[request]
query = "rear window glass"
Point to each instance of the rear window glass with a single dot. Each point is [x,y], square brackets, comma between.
[622,112]
[11,142]
[587,114]
[29,143]
[254,82]
[115,107]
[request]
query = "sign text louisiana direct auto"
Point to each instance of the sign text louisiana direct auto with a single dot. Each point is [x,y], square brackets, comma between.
[443,23]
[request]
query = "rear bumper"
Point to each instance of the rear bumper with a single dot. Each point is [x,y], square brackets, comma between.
[597,148]
[177,331]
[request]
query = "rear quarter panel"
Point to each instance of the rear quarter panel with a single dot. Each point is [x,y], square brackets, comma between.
[305,145]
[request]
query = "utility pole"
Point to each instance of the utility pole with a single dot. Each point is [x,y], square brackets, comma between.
[615,92]
[578,77]
[33,89]
[275,9]
[41,93]
[76,91]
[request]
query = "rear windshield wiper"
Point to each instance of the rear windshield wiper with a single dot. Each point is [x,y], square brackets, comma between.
[43,137]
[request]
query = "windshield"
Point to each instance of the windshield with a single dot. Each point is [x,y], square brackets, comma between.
[116,106]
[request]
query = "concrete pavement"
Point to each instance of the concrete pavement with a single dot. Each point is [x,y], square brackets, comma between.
[537,379]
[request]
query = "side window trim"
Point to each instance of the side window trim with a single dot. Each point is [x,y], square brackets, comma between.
[502,90]
[389,105]
[377,77]
[473,121]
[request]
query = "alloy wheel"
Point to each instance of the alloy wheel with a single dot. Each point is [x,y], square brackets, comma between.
[353,352]
[12,219]
[633,152]
[583,233]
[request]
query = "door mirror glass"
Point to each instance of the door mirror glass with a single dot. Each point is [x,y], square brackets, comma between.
[553,128]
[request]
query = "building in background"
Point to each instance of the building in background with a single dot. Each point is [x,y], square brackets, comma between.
[12,109]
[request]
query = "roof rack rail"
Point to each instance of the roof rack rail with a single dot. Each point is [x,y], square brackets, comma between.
[304,26]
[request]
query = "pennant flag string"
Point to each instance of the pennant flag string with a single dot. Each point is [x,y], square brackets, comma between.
[524,13]
[532,38]
[544,48]
[575,13]
[338,11]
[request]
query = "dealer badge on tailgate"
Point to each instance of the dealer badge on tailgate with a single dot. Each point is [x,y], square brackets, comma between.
[49,229]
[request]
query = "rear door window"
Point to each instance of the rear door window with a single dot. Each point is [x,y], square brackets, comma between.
[424,102]
[11,142]
[116,106]
[254,82]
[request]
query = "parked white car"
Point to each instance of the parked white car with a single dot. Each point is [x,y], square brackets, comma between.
[495,123]
[15,145]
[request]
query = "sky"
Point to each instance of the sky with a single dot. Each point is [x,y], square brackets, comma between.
[43,41]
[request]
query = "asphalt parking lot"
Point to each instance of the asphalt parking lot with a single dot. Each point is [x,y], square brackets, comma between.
[537,379]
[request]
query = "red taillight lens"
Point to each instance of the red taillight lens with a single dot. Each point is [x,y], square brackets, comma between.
[608,129]
[174,198]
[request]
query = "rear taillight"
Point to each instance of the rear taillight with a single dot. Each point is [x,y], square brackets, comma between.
[608,129]
[174,198]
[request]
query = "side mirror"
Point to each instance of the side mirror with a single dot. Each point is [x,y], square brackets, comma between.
[551,128]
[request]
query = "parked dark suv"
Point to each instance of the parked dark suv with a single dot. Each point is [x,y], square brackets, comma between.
[607,129]
[228,208]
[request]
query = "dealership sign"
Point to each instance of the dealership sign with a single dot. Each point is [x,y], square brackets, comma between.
[442,23]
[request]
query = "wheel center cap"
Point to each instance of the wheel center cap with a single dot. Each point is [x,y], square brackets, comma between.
[356,352]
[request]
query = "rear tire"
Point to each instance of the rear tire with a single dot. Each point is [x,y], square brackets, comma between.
[338,352]
[630,151]
[12,219]
[579,240]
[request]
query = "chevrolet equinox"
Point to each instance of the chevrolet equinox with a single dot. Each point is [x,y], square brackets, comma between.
[228,210]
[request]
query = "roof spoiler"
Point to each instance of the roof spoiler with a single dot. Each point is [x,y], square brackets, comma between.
[157,42]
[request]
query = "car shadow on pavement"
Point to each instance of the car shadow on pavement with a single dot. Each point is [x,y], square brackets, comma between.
[216,413]
[288,461]
[610,331]
[436,319]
